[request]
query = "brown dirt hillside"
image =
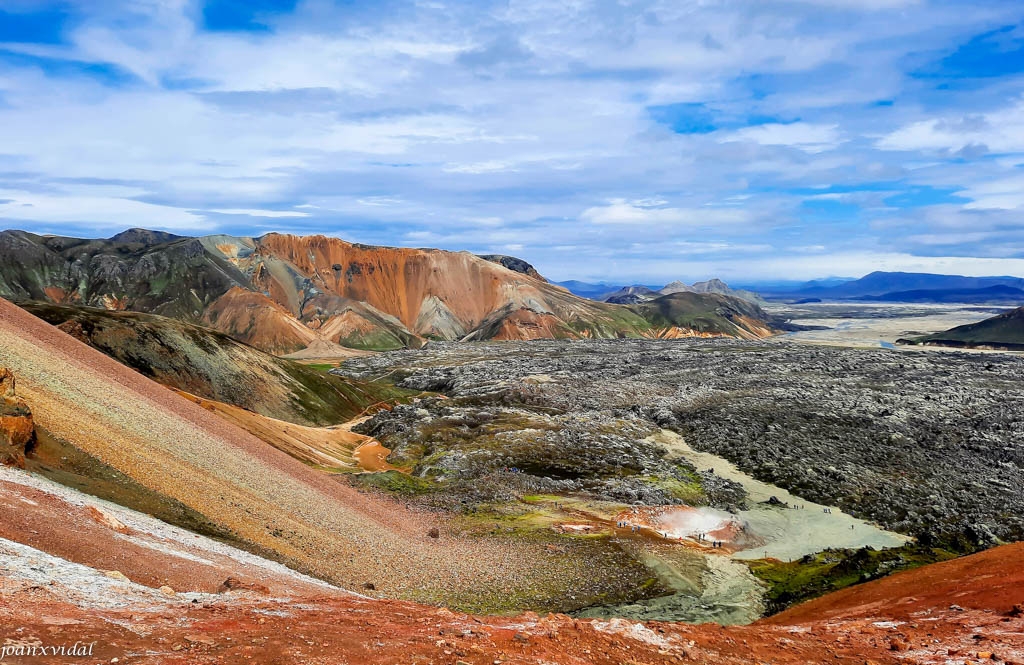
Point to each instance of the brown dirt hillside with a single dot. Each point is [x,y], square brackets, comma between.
[400,281]
[256,319]
[269,501]
[329,448]
[454,295]
[992,580]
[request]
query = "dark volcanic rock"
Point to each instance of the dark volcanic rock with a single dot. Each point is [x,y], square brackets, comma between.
[512,263]
[924,443]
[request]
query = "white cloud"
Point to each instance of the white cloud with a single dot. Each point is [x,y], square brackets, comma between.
[106,213]
[623,212]
[372,201]
[998,131]
[491,166]
[260,213]
[485,221]
[375,125]
[1003,193]
[875,5]
[804,136]
[950,239]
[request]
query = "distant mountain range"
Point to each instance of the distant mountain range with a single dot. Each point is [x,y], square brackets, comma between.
[640,293]
[287,294]
[914,287]
[596,290]
[997,294]
[875,287]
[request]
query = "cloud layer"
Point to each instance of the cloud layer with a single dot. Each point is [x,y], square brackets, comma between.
[641,140]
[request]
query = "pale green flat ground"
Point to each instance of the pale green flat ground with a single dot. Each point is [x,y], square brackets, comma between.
[788,533]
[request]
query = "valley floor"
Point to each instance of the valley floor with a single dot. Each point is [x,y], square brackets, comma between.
[921,443]
[874,325]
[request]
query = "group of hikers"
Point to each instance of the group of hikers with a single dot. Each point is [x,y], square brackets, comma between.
[701,537]
[622,524]
[827,511]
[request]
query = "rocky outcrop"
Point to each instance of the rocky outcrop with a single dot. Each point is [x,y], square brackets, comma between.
[675,287]
[17,431]
[631,295]
[235,584]
[514,264]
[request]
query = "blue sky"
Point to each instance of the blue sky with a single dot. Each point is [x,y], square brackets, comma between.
[623,140]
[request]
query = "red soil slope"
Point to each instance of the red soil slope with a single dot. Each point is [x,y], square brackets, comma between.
[270,615]
[991,580]
[87,531]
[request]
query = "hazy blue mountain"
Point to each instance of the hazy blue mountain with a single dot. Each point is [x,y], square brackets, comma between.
[593,290]
[999,293]
[883,283]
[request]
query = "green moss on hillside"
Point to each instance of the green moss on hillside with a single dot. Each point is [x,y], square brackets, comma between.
[815,575]
[1005,331]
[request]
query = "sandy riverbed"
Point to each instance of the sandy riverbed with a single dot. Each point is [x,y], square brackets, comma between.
[714,584]
[875,325]
[783,531]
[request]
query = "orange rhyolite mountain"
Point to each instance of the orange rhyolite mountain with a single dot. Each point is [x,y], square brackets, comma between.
[348,291]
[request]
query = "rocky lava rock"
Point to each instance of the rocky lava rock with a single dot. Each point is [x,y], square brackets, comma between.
[924,443]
